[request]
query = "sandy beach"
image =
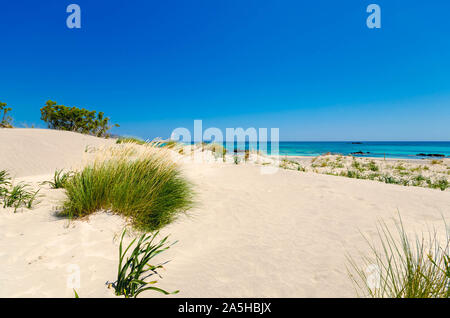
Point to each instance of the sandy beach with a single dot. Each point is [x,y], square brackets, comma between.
[249,235]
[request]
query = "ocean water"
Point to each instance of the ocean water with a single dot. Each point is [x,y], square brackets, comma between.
[388,149]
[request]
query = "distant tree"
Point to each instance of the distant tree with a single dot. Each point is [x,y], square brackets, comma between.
[6,120]
[75,119]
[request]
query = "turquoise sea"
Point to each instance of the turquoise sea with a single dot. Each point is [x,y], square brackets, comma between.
[388,149]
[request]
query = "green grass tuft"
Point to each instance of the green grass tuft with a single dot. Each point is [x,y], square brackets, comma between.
[148,189]
[59,179]
[134,140]
[132,273]
[403,268]
[5,182]
[439,184]
[17,196]
[171,144]
[373,166]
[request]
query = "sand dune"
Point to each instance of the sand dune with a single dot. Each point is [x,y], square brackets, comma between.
[250,235]
[29,152]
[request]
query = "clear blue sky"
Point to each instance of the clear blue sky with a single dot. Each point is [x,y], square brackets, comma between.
[311,68]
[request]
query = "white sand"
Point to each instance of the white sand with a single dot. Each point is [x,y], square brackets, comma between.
[251,235]
[27,151]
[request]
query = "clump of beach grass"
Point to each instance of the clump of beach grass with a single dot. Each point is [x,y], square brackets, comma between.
[439,184]
[15,196]
[141,183]
[291,165]
[170,144]
[214,147]
[403,268]
[60,178]
[5,181]
[133,272]
[373,166]
[135,140]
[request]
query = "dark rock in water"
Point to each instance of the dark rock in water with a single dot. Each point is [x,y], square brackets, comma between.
[356,143]
[430,155]
[360,153]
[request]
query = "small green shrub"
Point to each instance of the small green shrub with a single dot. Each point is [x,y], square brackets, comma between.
[291,165]
[214,147]
[373,166]
[416,169]
[134,140]
[389,179]
[246,155]
[356,164]
[442,184]
[132,273]
[418,180]
[337,164]
[75,119]
[352,174]
[5,121]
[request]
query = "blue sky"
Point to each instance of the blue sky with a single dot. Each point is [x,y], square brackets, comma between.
[311,68]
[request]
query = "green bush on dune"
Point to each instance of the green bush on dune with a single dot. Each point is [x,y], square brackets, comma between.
[5,120]
[148,189]
[75,119]
[122,140]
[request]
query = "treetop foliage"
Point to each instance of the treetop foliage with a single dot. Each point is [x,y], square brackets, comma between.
[5,121]
[75,119]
